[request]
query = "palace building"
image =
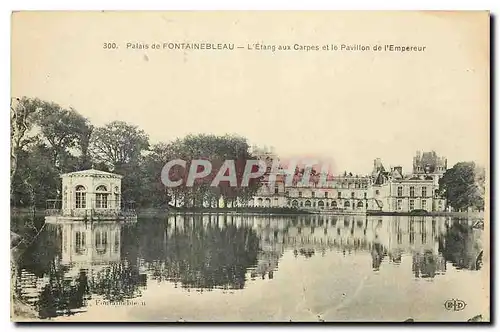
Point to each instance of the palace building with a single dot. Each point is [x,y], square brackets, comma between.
[382,190]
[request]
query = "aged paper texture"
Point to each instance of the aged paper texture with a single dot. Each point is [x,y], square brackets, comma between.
[250,166]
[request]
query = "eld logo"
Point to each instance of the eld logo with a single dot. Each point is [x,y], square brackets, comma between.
[455,305]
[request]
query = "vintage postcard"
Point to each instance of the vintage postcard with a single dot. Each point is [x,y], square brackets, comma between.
[244,166]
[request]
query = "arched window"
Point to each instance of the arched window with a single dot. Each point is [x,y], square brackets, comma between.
[295,203]
[360,204]
[80,197]
[308,203]
[101,197]
[412,191]
[268,202]
[347,204]
[259,202]
[334,204]
[321,204]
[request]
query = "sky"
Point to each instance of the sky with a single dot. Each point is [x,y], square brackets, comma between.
[346,107]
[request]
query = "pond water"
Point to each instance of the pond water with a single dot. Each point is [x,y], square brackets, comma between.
[256,268]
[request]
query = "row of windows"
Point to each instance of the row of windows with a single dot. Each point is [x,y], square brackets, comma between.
[308,203]
[438,168]
[101,200]
[377,192]
[101,242]
[342,185]
[99,188]
[334,204]
[412,191]
[101,197]
[411,204]
[326,195]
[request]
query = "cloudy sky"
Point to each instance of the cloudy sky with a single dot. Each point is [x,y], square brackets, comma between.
[349,107]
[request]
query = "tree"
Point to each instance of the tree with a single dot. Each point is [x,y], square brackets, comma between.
[85,160]
[63,130]
[463,186]
[119,146]
[37,179]
[118,143]
[46,140]
[22,114]
[215,149]
[155,192]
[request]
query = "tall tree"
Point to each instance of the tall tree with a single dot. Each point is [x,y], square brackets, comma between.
[22,115]
[461,186]
[85,160]
[63,130]
[155,192]
[46,140]
[38,179]
[118,143]
[215,149]
[119,146]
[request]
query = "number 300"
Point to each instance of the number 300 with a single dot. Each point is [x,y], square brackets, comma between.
[108,46]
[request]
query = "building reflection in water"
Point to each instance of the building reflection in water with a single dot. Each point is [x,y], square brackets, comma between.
[386,238]
[75,262]
[87,263]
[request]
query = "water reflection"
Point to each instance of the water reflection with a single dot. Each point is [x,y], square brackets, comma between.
[201,253]
[73,263]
